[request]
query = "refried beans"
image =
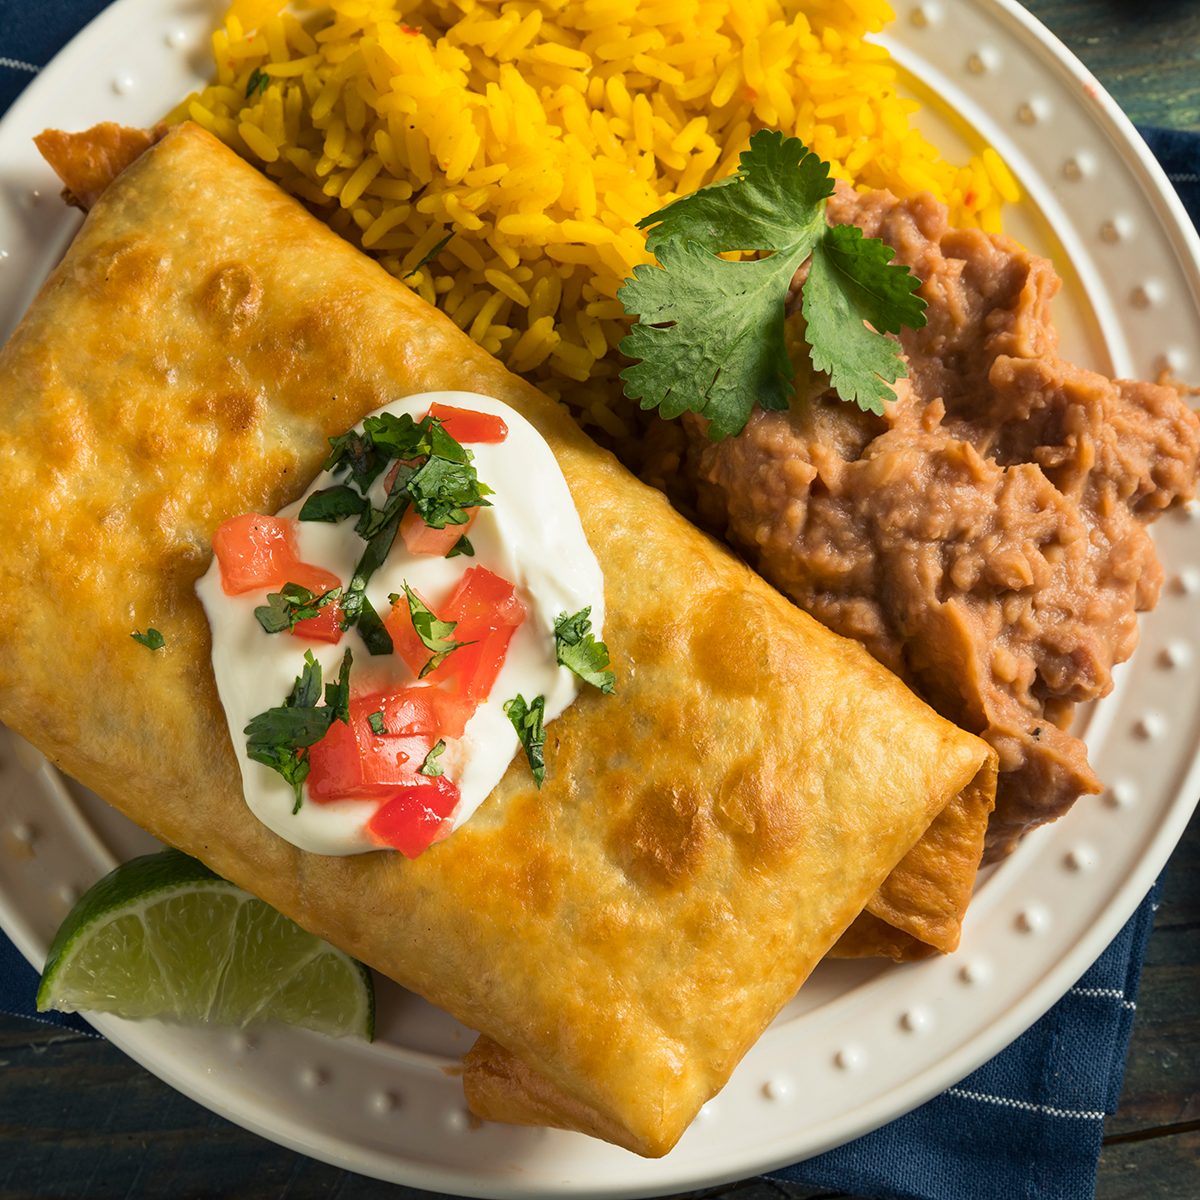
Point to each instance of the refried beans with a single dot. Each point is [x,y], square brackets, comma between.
[986,537]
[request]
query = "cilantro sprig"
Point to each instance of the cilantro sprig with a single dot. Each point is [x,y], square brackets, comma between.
[528,719]
[576,648]
[286,608]
[280,737]
[710,332]
[151,639]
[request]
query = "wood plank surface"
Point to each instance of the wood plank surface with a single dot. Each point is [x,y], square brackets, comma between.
[79,1120]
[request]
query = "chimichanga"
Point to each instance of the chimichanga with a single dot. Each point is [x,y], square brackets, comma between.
[703,837]
[919,909]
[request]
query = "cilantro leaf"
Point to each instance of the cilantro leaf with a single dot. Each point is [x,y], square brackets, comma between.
[333,504]
[286,608]
[462,546]
[279,738]
[442,491]
[398,436]
[528,720]
[433,633]
[337,695]
[773,202]
[710,333]
[306,691]
[153,640]
[373,557]
[375,720]
[878,291]
[372,630]
[576,648]
[431,767]
[356,454]
[709,336]
[850,281]
[282,757]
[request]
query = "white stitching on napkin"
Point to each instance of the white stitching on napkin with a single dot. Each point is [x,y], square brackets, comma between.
[1024,1105]
[18,65]
[1106,994]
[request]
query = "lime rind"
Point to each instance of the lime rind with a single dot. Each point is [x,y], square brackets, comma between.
[138,879]
[162,936]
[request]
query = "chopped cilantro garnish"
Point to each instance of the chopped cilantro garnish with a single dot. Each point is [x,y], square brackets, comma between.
[462,546]
[151,639]
[356,603]
[433,473]
[333,504]
[442,491]
[356,454]
[375,720]
[528,721]
[433,633]
[576,648]
[710,332]
[279,738]
[372,630]
[258,82]
[286,608]
[431,766]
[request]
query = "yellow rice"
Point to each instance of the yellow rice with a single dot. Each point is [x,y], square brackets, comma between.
[536,135]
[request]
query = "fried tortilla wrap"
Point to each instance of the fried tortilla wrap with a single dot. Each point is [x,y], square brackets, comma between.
[703,836]
[919,910]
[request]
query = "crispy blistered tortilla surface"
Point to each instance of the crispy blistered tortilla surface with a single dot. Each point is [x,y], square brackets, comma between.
[703,836]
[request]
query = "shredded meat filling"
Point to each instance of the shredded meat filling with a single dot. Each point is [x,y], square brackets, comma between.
[985,538]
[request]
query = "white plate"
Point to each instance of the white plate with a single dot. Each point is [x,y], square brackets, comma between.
[862,1043]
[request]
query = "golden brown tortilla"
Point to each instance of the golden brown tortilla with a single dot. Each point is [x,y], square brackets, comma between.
[920,909]
[703,836]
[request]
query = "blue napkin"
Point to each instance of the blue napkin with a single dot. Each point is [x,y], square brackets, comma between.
[1027,1124]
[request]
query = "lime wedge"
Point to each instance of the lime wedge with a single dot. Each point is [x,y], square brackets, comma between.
[162,936]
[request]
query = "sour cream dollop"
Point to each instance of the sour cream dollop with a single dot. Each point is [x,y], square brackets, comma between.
[531,536]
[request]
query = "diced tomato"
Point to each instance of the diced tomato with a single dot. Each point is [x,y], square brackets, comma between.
[352,762]
[412,820]
[420,538]
[465,425]
[404,637]
[254,552]
[430,710]
[483,598]
[259,553]
[316,579]
[326,626]
[487,611]
[476,667]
